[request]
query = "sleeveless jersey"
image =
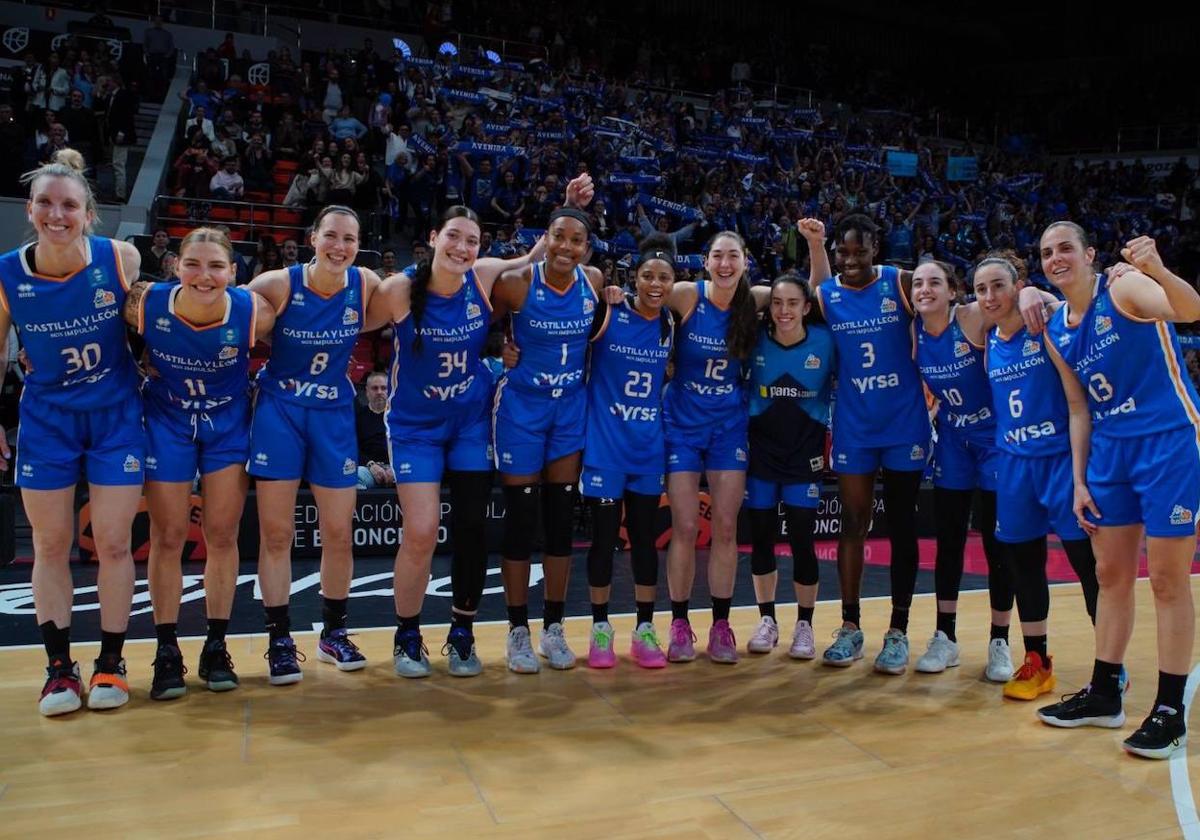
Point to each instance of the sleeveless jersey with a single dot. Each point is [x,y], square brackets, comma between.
[625,383]
[955,371]
[552,331]
[448,372]
[312,342]
[790,390]
[199,368]
[1132,369]
[71,328]
[879,398]
[1027,395]
[708,382]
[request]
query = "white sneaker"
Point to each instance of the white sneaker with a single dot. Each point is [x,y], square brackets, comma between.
[766,636]
[803,644]
[940,655]
[1000,665]
[553,646]
[519,652]
[108,689]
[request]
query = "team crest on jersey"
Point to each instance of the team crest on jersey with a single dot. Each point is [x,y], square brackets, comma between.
[918,453]
[961,348]
[812,362]
[473,311]
[298,298]
[132,464]
[887,305]
[104,298]
[163,324]
[1181,515]
[814,491]
[350,316]
[96,277]
[227,352]
[25,290]
[1103,324]
[229,335]
[817,463]
[349,468]
[1031,347]
[588,306]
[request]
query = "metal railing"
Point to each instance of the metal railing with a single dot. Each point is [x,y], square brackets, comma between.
[1145,138]
[250,218]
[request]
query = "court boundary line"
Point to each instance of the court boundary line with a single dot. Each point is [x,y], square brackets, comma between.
[1181,783]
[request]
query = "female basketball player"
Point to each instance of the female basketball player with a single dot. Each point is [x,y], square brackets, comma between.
[1042,427]
[199,332]
[439,425]
[624,455]
[791,380]
[80,413]
[1143,470]
[303,428]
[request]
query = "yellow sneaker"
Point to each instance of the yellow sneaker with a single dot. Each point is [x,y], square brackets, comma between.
[1033,679]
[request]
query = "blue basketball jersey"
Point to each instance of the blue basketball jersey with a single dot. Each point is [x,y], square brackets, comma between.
[955,371]
[625,382]
[708,382]
[199,368]
[312,342]
[1027,395]
[552,331]
[1132,369]
[447,373]
[71,328]
[790,390]
[879,397]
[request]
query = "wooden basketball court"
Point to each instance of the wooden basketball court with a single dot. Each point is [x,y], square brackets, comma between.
[767,748]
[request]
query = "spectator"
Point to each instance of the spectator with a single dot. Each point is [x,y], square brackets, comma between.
[152,257]
[290,253]
[387,262]
[227,183]
[344,180]
[159,46]
[374,469]
[344,125]
[121,106]
[167,268]
[80,126]
[224,146]
[199,96]
[56,141]
[59,84]
[257,166]
[199,121]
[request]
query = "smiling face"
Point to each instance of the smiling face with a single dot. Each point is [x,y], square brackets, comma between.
[566,243]
[789,305]
[335,242]
[58,208]
[996,290]
[455,246]
[655,279]
[854,257]
[1065,261]
[725,262]
[932,290]
[204,271]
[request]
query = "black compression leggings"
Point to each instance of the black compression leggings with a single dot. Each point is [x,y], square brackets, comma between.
[1028,561]
[900,488]
[470,493]
[640,510]
[763,531]
[1083,562]
[953,520]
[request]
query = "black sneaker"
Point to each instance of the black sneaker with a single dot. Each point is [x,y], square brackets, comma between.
[216,667]
[168,674]
[1160,734]
[1084,708]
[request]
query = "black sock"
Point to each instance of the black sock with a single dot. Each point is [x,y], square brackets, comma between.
[552,612]
[167,634]
[1037,644]
[998,632]
[720,608]
[111,644]
[946,622]
[679,611]
[804,613]
[899,619]
[766,608]
[466,622]
[57,641]
[279,625]
[217,628]
[851,612]
[1170,691]
[599,612]
[1106,678]
[645,612]
[409,622]
[333,614]
[518,616]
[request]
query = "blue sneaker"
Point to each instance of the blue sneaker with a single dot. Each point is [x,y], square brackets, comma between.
[460,651]
[893,659]
[284,660]
[409,655]
[847,648]
[337,649]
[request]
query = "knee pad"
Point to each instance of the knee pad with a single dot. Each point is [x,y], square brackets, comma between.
[558,518]
[520,521]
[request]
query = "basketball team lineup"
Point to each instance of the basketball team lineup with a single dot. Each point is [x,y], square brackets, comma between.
[1068,414]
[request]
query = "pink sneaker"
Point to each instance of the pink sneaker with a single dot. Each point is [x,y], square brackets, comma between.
[803,645]
[722,646]
[645,649]
[682,647]
[600,651]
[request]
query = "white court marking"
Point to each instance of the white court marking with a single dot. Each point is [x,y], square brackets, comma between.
[1181,785]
